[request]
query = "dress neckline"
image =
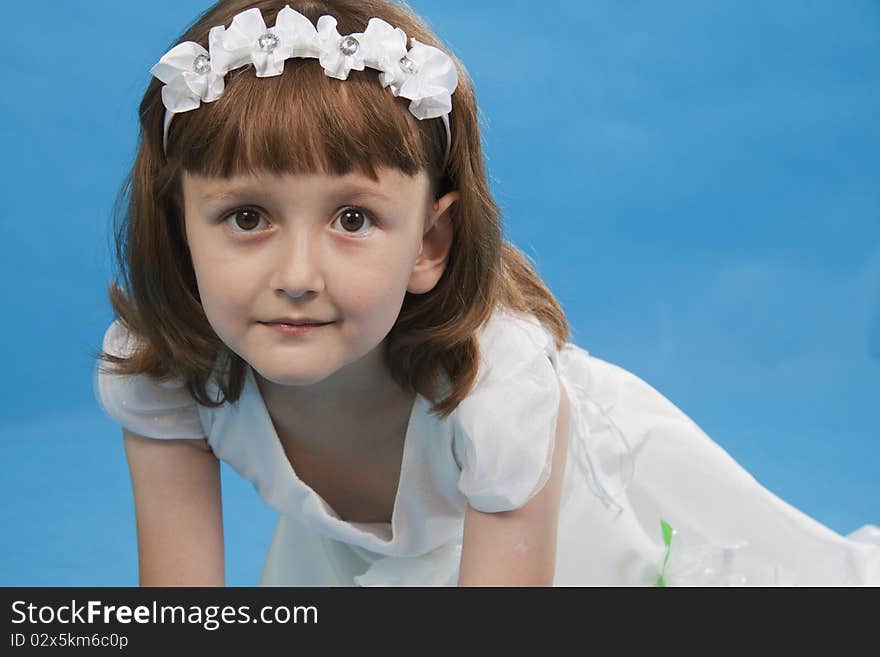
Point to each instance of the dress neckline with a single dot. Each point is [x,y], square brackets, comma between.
[385,532]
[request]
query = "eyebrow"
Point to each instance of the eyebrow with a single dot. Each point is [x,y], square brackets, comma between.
[356,189]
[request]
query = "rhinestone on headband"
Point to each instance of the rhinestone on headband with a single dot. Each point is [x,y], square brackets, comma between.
[201,64]
[268,42]
[408,65]
[425,75]
[349,45]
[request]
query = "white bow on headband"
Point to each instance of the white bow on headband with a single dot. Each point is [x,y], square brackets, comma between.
[192,75]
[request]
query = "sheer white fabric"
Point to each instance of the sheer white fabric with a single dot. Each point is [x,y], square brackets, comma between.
[151,408]
[505,428]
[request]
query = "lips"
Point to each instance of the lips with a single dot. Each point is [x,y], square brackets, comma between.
[298,322]
[282,328]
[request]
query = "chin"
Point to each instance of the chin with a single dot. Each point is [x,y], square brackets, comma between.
[293,375]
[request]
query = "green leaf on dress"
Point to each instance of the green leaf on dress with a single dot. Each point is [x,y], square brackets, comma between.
[668,531]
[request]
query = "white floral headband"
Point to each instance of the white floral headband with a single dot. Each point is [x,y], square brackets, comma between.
[192,75]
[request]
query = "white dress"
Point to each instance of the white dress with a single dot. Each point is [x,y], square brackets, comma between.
[648,498]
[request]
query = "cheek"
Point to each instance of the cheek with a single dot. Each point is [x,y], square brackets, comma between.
[376,287]
[223,286]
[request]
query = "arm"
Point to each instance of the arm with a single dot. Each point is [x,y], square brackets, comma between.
[518,547]
[176,486]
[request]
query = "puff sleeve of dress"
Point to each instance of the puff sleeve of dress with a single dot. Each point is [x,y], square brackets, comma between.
[155,409]
[504,430]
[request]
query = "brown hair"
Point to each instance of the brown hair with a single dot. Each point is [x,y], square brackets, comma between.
[337,127]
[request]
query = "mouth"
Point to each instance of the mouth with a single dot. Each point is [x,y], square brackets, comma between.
[294,324]
[300,328]
[302,322]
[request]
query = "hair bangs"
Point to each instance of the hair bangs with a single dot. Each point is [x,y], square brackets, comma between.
[304,122]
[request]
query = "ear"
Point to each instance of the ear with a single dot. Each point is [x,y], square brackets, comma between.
[436,242]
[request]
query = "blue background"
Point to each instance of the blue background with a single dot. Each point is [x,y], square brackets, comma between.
[697,182]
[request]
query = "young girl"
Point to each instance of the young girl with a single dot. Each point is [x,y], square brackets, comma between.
[317,291]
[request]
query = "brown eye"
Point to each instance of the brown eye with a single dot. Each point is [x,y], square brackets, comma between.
[245,219]
[353,219]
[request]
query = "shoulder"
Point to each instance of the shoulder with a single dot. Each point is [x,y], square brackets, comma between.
[507,324]
[139,403]
[509,340]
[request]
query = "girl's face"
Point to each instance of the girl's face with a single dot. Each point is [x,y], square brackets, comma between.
[338,249]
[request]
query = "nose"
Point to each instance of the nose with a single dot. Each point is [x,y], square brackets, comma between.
[297,271]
